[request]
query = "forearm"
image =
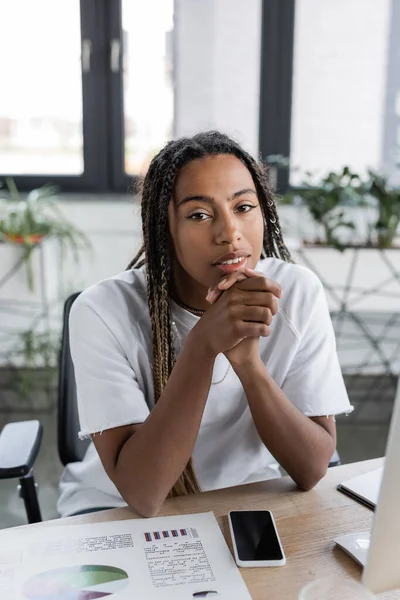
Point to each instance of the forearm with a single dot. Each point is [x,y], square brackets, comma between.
[151,460]
[302,447]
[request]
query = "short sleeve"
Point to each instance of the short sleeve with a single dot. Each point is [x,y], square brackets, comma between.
[108,393]
[314,382]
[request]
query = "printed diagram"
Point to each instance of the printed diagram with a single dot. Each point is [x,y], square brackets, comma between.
[178,557]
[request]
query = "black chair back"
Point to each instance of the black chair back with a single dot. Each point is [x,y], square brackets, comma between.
[70,447]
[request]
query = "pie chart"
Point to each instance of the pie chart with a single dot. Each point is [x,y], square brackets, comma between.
[80,582]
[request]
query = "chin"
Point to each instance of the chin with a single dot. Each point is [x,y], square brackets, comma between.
[198,280]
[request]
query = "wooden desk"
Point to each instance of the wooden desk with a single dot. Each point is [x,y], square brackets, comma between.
[307,523]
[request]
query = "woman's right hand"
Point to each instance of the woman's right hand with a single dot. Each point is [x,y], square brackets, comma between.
[244,310]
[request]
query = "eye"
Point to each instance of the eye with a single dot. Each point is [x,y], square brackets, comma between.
[198,216]
[244,208]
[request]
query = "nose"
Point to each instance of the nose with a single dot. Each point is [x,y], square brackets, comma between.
[227,229]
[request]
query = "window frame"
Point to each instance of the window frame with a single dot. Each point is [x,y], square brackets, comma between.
[276,82]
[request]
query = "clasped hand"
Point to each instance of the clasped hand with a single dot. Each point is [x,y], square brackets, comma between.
[243,306]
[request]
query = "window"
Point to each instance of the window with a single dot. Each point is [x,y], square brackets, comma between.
[89,94]
[41,124]
[148,86]
[336,84]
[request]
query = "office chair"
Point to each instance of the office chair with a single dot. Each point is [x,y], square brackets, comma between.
[19,447]
[70,447]
[20,442]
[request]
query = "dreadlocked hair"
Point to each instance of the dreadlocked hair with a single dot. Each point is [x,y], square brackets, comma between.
[157,191]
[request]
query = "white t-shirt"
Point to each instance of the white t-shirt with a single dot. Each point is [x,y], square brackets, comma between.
[110,337]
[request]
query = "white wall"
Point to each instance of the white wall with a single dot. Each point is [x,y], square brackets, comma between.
[113,227]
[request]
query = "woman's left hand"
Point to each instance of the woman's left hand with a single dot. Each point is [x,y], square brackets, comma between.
[247,350]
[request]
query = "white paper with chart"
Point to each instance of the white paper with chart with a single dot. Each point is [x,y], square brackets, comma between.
[178,557]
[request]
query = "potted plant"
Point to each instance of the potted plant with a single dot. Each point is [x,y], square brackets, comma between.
[358,216]
[27,221]
[387,202]
[326,202]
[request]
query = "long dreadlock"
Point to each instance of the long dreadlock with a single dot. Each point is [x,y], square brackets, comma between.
[155,254]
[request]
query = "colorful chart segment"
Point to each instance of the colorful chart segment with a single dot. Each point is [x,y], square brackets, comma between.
[81,582]
[153,536]
[161,535]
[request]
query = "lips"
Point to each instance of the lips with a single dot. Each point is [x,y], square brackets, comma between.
[234,261]
[231,256]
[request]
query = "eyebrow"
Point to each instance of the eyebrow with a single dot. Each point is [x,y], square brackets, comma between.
[211,200]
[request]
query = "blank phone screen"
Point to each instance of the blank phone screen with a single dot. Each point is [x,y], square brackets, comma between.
[255,535]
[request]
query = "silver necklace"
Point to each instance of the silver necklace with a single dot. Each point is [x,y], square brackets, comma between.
[176,331]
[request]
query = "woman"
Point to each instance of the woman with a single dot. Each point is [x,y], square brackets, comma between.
[204,365]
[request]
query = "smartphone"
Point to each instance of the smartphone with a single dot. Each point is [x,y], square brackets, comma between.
[255,539]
